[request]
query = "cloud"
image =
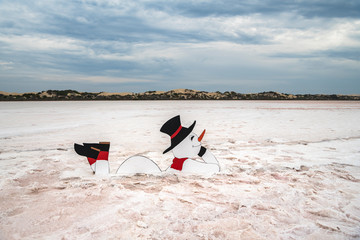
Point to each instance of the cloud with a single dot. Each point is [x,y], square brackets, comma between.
[206,44]
[338,53]
[306,8]
[40,43]
[92,79]
[6,65]
[346,53]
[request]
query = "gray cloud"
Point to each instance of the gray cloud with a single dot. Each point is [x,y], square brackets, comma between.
[348,53]
[86,21]
[343,53]
[160,45]
[307,8]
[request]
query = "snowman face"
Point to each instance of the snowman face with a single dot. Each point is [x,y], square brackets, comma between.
[187,148]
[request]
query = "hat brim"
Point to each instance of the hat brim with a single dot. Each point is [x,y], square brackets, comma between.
[181,136]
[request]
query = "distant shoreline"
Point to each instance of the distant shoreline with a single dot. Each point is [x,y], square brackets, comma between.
[177,94]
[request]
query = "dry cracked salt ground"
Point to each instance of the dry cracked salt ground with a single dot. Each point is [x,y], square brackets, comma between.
[290,170]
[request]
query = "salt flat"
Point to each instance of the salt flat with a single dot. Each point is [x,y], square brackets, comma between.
[290,170]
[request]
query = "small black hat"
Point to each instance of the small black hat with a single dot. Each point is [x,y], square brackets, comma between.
[176,132]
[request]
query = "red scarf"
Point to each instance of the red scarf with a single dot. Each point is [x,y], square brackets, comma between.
[178,163]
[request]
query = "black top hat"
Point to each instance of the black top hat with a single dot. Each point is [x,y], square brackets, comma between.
[176,132]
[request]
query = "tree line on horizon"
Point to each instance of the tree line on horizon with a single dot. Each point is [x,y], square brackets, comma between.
[186,94]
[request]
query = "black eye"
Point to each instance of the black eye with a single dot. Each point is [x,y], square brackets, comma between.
[192,137]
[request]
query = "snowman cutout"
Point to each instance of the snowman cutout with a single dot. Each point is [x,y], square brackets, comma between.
[185,145]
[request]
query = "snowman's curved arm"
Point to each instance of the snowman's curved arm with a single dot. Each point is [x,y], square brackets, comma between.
[207,156]
[193,166]
[210,164]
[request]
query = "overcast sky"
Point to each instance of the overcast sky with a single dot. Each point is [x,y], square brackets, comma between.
[302,46]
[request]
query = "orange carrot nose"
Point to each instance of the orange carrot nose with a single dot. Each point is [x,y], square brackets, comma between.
[201,135]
